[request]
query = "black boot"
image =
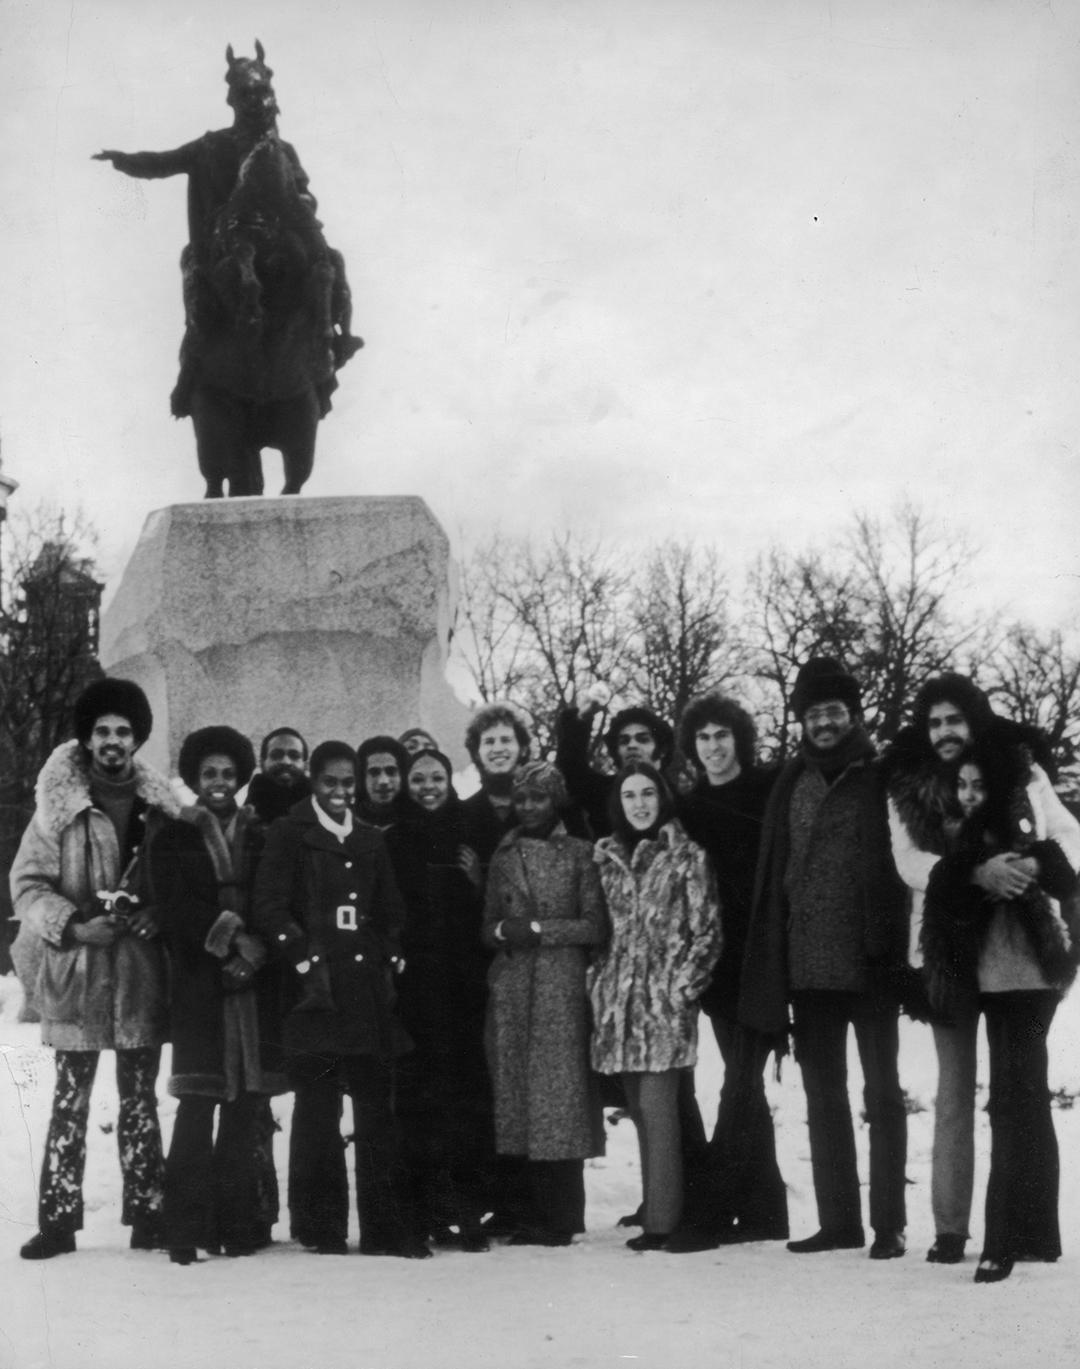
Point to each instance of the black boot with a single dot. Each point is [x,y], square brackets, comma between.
[48,1243]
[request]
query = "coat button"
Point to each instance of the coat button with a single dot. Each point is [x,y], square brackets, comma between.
[282,936]
[359,957]
[352,894]
[348,865]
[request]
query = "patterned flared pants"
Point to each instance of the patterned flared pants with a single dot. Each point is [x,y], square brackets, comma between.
[60,1202]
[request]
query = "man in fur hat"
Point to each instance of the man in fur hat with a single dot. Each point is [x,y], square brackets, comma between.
[951,713]
[95,962]
[827,927]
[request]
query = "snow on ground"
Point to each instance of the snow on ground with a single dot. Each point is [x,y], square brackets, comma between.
[596,1304]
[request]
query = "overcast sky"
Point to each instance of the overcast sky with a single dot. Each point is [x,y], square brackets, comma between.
[723,269]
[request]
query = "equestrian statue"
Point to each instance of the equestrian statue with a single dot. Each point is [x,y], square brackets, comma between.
[267,308]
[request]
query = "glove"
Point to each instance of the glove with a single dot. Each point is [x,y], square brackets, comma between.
[251,949]
[515,931]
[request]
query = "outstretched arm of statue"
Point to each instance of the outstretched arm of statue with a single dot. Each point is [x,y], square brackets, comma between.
[150,166]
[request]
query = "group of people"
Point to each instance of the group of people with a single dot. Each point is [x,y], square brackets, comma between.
[482,977]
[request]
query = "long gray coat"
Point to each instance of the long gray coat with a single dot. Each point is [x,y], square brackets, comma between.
[546,1106]
[89,997]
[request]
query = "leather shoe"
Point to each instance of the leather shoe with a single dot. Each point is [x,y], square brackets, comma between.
[947,1249]
[993,1271]
[183,1254]
[46,1244]
[888,1245]
[828,1240]
[147,1233]
[649,1240]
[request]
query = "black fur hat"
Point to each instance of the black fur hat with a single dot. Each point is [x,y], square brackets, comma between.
[209,741]
[663,733]
[122,697]
[823,678]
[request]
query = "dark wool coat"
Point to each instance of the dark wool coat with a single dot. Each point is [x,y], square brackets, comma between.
[483,828]
[726,820]
[89,997]
[182,873]
[442,994]
[336,905]
[546,1106]
[665,938]
[879,894]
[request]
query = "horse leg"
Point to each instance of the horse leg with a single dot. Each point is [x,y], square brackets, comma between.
[219,424]
[298,424]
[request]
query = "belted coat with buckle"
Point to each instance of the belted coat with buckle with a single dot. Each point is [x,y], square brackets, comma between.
[90,998]
[334,906]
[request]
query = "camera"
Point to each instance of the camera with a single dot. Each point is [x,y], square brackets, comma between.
[118,904]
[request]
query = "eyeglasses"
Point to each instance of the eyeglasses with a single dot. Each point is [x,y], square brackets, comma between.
[830,713]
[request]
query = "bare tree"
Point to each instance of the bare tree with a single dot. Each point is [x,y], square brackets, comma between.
[1035,678]
[904,570]
[684,641]
[797,606]
[541,624]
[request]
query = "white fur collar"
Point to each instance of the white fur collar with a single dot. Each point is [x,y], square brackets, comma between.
[63,788]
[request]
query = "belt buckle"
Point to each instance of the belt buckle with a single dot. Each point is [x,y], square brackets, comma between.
[346,917]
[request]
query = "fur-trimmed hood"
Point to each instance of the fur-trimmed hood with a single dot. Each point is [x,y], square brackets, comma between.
[918,784]
[63,788]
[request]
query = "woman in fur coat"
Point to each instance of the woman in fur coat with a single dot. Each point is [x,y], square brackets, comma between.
[223,1004]
[1020,954]
[442,1095]
[665,939]
[543,913]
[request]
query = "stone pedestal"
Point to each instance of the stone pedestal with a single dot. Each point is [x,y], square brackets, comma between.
[329,615]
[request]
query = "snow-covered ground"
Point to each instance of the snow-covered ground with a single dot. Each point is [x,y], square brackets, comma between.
[595,1304]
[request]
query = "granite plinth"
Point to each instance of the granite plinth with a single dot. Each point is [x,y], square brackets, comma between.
[331,615]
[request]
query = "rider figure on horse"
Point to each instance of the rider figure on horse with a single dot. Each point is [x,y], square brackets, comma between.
[214,165]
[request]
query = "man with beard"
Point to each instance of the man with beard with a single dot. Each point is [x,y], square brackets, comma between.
[281,780]
[96,962]
[381,763]
[498,741]
[950,713]
[635,734]
[827,931]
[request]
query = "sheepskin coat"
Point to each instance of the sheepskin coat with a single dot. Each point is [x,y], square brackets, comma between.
[89,997]
[546,1104]
[665,939]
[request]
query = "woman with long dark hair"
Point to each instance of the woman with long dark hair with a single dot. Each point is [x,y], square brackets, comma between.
[665,939]
[1018,951]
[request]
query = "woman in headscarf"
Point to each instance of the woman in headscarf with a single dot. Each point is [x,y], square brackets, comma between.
[543,914]
[665,939]
[223,1009]
[442,1093]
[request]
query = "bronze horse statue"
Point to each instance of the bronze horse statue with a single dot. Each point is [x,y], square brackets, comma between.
[267,304]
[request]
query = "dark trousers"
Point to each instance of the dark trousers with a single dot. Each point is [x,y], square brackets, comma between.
[1022,1191]
[548,1195]
[821,1022]
[447,1132]
[745,1183]
[138,1137]
[318,1180]
[211,1185]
